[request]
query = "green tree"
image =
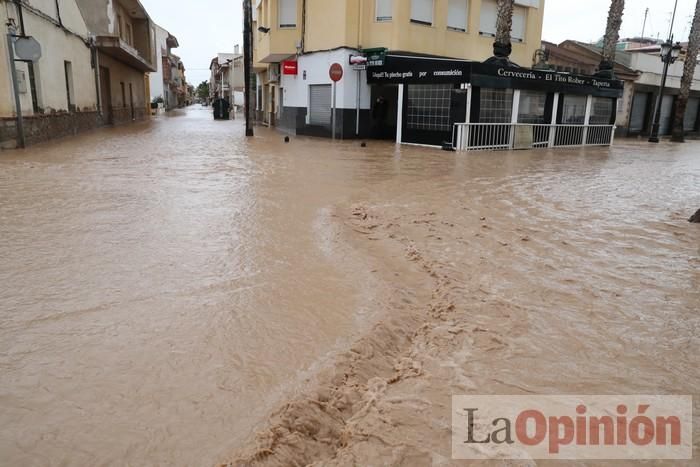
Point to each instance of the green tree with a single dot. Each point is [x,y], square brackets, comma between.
[203,90]
[691,60]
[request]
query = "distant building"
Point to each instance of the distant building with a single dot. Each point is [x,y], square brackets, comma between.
[124,37]
[57,93]
[162,81]
[227,77]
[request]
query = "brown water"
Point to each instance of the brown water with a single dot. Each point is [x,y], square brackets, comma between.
[165,286]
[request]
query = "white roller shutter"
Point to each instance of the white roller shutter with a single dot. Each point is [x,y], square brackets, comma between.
[383,12]
[422,11]
[519,24]
[487,19]
[320,104]
[288,13]
[457,15]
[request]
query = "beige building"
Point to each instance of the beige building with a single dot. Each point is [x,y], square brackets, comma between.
[316,33]
[57,93]
[124,38]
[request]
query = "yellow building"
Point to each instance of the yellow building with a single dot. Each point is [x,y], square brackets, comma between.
[411,69]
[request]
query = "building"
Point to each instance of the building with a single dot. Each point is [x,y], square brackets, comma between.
[227,77]
[124,37]
[58,95]
[296,41]
[163,85]
[640,69]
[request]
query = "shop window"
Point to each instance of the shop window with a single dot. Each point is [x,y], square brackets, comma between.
[517,33]
[532,107]
[457,15]
[288,13]
[601,111]
[574,110]
[496,105]
[488,18]
[428,107]
[422,12]
[383,10]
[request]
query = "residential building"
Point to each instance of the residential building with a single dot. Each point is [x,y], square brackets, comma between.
[227,77]
[124,37]
[640,68]
[162,81]
[57,93]
[310,35]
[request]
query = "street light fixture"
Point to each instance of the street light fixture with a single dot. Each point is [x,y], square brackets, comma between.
[669,54]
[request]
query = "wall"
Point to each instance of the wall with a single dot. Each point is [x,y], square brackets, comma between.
[122,73]
[157,78]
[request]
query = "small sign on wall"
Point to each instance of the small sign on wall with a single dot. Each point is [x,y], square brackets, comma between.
[290,67]
[22,81]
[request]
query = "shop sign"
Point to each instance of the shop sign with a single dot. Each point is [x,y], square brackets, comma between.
[375,57]
[290,67]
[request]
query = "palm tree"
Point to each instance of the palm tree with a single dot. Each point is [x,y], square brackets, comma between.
[691,59]
[502,46]
[612,36]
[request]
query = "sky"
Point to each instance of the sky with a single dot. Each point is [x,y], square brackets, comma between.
[214,26]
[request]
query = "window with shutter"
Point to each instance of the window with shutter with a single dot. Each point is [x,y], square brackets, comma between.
[422,12]
[488,17]
[457,15]
[288,13]
[519,23]
[383,10]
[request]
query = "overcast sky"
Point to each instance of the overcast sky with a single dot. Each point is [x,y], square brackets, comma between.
[206,27]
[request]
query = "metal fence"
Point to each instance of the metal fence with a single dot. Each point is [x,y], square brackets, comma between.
[498,136]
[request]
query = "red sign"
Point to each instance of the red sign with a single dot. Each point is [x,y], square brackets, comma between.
[290,67]
[336,72]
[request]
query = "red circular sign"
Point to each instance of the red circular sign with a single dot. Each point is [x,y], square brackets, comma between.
[336,72]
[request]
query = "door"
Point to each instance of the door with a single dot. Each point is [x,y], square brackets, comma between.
[106,95]
[691,114]
[666,115]
[131,101]
[272,106]
[640,105]
[320,96]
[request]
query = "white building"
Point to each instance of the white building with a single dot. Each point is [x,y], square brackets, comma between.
[160,81]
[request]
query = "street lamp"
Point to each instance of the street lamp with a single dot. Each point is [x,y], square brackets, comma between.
[669,54]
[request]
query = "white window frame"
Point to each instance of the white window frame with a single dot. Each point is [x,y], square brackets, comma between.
[419,21]
[383,18]
[453,27]
[279,15]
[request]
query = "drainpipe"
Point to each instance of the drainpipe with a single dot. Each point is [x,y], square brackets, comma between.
[58,14]
[303,26]
[13,69]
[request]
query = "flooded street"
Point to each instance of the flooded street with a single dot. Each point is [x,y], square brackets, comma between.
[165,287]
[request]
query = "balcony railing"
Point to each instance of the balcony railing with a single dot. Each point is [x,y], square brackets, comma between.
[504,136]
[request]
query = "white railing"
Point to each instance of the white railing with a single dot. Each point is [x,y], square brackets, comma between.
[495,136]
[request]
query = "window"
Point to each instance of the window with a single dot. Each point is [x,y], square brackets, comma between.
[383,10]
[488,18]
[496,105]
[422,12]
[574,110]
[120,26]
[531,107]
[429,107]
[601,111]
[70,95]
[519,24]
[691,114]
[288,13]
[457,11]
[129,34]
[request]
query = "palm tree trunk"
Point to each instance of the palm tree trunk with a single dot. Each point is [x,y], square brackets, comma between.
[502,46]
[691,60]
[612,36]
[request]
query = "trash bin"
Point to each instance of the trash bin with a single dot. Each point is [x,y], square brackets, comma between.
[221,109]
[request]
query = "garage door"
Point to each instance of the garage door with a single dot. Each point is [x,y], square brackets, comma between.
[320,105]
[639,110]
[666,115]
[691,114]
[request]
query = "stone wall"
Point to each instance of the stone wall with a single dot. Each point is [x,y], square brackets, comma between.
[40,128]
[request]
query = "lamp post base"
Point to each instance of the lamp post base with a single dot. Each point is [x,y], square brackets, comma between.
[654,139]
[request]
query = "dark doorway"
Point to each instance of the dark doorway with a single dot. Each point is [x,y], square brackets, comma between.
[384,110]
[131,101]
[106,95]
[272,106]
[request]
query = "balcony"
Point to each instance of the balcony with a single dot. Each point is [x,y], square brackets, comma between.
[120,50]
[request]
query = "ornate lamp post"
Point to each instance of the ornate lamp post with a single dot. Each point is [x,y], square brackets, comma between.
[669,54]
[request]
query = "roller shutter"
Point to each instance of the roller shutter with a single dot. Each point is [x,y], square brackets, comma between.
[320,105]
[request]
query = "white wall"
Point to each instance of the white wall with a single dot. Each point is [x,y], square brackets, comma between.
[652,68]
[316,65]
[156,79]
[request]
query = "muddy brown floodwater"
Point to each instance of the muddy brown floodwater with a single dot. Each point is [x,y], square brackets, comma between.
[170,289]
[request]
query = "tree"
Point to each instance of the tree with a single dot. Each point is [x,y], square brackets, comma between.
[502,46]
[612,36]
[203,90]
[691,60]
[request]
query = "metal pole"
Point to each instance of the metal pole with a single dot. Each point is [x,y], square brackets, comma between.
[656,117]
[248,61]
[357,117]
[15,87]
[333,111]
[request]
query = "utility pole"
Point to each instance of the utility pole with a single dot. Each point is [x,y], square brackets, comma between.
[644,25]
[248,62]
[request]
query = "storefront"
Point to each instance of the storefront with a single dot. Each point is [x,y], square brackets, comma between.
[435,96]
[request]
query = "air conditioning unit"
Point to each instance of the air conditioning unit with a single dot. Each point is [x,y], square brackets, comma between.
[273,72]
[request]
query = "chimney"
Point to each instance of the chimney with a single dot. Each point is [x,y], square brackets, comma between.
[237,49]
